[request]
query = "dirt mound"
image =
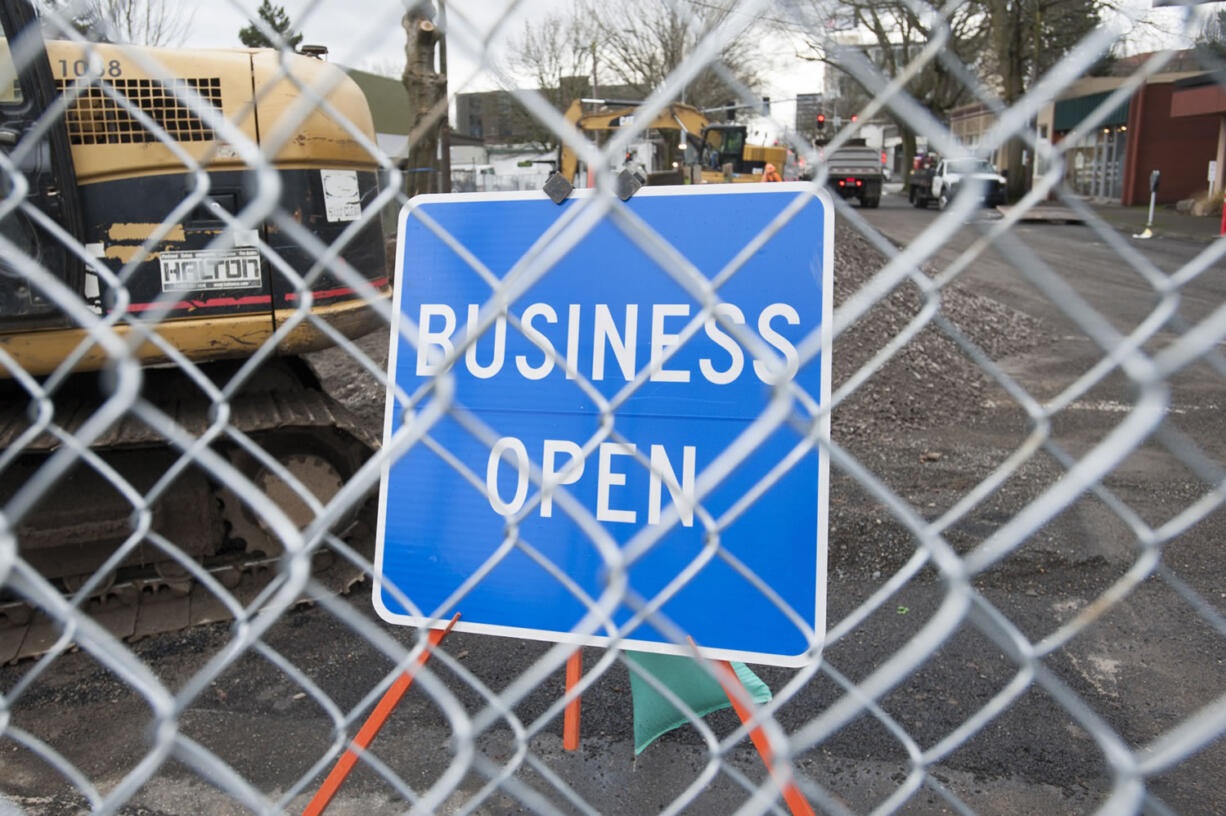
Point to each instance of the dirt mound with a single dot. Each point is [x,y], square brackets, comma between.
[930,381]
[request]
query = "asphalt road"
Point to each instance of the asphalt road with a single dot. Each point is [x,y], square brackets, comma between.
[1145,665]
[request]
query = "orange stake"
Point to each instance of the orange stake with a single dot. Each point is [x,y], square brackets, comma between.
[791,794]
[570,719]
[373,723]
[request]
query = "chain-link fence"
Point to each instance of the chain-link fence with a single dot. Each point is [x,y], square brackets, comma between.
[1015,462]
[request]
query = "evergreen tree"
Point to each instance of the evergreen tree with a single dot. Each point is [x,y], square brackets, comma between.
[278,21]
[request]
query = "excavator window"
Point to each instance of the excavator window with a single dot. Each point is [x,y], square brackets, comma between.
[734,142]
[724,144]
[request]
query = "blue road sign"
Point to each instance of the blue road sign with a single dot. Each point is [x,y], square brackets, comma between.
[464,525]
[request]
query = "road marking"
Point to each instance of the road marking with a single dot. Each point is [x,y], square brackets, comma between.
[1110,407]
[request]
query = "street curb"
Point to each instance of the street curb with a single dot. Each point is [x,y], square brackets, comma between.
[1126,228]
[1130,230]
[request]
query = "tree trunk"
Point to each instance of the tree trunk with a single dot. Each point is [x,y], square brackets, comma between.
[908,152]
[1018,181]
[444,152]
[1014,81]
[426,87]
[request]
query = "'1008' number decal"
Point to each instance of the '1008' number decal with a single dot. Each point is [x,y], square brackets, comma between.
[80,68]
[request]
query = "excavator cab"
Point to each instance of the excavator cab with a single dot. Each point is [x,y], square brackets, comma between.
[724,144]
[36,156]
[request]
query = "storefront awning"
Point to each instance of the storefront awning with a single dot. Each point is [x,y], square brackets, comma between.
[1070,113]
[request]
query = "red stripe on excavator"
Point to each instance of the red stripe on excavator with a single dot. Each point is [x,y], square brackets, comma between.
[344,290]
[251,300]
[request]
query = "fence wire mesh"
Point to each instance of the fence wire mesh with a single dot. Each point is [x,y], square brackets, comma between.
[1024,604]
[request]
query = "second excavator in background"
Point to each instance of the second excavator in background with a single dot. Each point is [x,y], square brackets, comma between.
[679,144]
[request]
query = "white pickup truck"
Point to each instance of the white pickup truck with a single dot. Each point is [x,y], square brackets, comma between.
[940,184]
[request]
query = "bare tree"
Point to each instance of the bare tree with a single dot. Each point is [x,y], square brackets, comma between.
[635,43]
[555,53]
[644,41]
[144,22]
[1027,38]
[896,33]
[1008,43]
[141,22]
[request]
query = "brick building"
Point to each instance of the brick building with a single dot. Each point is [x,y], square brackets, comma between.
[1175,123]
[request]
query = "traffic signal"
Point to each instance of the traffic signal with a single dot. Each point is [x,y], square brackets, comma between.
[821,121]
[854,118]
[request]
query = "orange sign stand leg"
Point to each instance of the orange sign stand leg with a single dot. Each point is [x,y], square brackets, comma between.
[373,723]
[796,802]
[570,719]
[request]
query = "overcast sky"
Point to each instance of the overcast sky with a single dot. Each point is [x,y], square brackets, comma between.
[368,34]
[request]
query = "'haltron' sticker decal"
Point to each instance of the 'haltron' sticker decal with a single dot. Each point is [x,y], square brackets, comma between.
[210,269]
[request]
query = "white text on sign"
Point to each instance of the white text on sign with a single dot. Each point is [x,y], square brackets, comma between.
[437,323]
[610,474]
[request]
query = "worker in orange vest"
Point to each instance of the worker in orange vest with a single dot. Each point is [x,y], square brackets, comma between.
[769,173]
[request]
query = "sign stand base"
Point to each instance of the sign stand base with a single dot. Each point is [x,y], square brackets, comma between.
[726,675]
[728,681]
[373,723]
[796,802]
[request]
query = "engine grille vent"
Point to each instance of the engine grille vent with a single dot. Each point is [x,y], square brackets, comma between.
[95,117]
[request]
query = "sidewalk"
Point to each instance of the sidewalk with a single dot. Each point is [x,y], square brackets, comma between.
[1167,222]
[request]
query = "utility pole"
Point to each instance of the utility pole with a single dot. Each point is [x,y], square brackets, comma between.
[595,83]
[445,128]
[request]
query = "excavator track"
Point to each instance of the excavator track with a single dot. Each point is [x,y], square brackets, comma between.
[310,434]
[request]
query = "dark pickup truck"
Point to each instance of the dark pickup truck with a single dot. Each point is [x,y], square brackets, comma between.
[855,172]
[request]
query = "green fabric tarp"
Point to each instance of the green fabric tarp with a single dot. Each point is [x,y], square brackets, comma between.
[655,716]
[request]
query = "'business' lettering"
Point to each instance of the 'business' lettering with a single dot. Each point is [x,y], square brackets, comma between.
[602,343]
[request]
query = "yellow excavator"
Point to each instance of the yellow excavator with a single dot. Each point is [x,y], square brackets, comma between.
[103,192]
[719,152]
